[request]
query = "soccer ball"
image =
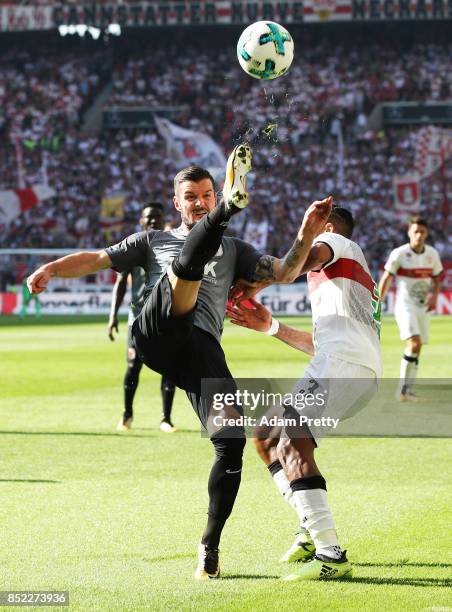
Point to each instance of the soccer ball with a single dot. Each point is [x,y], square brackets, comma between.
[265,50]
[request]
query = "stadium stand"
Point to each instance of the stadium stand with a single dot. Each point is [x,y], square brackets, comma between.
[43,101]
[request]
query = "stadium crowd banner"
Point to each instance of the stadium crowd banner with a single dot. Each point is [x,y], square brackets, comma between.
[292,300]
[193,12]
[63,303]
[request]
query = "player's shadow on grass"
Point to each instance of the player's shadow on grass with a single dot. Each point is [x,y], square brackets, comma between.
[29,480]
[190,555]
[249,577]
[178,430]
[171,557]
[76,433]
[420,582]
[403,564]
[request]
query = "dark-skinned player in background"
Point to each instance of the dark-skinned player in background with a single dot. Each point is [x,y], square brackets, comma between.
[152,218]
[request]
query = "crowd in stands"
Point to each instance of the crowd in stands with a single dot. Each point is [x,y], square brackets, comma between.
[292,124]
[43,95]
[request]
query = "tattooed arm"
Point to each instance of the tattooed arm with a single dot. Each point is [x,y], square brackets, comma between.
[273,270]
[270,270]
[300,258]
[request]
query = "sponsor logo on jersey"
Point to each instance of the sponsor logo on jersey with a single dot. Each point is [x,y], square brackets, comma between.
[209,269]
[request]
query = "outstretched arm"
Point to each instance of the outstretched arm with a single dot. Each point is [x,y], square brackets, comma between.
[260,319]
[71,266]
[117,297]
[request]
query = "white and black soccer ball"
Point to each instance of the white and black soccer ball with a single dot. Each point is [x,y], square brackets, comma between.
[265,50]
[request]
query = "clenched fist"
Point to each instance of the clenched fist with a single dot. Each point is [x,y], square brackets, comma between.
[37,282]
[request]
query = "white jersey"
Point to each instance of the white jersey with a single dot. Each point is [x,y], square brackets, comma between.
[346,307]
[414,272]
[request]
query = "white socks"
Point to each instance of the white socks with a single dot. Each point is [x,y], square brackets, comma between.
[315,515]
[283,484]
[312,508]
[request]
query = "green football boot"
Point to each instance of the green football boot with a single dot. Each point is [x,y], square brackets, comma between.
[302,549]
[322,568]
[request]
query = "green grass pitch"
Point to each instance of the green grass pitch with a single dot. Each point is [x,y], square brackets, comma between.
[116,518]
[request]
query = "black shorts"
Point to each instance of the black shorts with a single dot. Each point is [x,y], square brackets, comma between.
[175,347]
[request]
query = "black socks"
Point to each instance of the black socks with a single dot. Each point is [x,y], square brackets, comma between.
[224,483]
[130,385]
[167,388]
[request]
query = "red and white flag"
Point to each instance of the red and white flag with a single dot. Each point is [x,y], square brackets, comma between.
[407,193]
[433,147]
[14,202]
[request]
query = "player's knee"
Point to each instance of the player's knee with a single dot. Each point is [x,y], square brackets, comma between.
[133,361]
[134,366]
[167,385]
[132,373]
[414,345]
[183,269]
[230,448]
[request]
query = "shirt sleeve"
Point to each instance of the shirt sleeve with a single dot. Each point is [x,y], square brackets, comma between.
[393,263]
[246,260]
[130,252]
[437,266]
[337,244]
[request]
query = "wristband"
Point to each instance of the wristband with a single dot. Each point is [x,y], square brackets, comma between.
[274,328]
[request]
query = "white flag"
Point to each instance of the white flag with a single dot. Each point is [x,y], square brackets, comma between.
[189,147]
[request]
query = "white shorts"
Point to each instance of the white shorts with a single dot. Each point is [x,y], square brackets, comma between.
[412,321]
[341,390]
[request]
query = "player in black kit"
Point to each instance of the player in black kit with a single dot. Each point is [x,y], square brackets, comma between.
[178,332]
[151,218]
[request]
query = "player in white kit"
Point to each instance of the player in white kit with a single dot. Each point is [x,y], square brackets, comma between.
[417,268]
[345,368]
